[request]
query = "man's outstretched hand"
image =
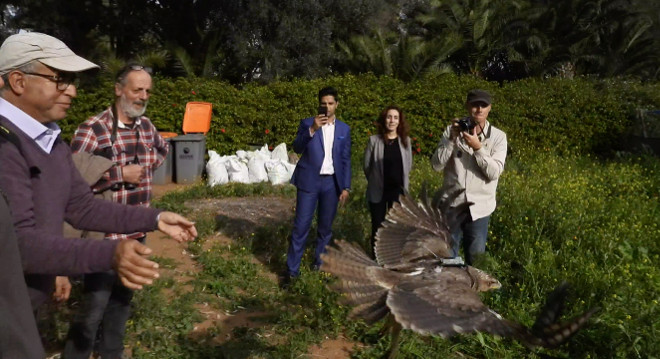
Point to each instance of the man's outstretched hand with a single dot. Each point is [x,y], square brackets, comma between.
[62,289]
[130,262]
[177,227]
[131,266]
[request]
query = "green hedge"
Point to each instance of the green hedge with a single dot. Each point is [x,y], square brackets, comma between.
[579,115]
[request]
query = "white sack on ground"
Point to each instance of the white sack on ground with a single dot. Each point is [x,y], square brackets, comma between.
[238,171]
[251,166]
[216,170]
[242,154]
[264,151]
[290,168]
[277,172]
[256,170]
[279,153]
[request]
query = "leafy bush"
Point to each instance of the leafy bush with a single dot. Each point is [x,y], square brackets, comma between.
[581,115]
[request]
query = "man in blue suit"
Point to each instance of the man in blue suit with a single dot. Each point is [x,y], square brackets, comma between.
[322,177]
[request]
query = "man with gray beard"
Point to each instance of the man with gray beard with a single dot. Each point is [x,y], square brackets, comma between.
[123,135]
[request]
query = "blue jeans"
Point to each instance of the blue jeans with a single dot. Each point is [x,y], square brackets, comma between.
[473,235]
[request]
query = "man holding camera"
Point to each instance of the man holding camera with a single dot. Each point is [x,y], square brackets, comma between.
[130,141]
[322,177]
[471,155]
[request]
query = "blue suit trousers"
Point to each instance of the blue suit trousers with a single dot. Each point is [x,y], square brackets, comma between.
[326,196]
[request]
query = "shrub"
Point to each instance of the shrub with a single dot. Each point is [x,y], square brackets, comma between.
[568,116]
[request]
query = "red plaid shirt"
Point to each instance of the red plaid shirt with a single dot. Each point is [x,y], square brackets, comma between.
[93,136]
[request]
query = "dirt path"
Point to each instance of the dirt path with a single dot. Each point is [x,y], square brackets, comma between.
[165,247]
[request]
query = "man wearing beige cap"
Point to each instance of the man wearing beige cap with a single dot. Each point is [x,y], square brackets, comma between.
[43,187]
[471,156]
[18,331]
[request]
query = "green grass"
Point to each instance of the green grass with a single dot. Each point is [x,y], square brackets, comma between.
[591,222]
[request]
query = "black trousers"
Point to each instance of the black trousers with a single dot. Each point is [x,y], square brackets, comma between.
[378,212]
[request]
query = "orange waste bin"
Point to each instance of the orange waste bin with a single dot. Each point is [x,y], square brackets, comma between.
[190,148]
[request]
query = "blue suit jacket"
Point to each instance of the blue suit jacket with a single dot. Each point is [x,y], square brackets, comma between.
[307,172]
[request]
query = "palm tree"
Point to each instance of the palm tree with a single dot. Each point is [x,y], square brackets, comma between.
[607,38]
[479,24]
[401,56]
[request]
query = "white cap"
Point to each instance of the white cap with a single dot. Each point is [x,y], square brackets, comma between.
[20,49]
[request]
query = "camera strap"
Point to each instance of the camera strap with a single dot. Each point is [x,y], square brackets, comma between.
[113,135]
[7,136]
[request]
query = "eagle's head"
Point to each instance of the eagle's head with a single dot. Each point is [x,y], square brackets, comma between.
[482,281]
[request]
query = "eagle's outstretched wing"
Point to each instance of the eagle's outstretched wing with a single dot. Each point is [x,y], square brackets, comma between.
[438,302]
[444,308]
[364,282]
[415,231]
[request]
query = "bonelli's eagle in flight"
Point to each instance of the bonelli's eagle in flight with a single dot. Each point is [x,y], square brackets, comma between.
[425,290]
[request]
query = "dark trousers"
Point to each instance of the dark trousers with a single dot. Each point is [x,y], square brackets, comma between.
[471,235]
[326,196]
[378,213]
[106,303]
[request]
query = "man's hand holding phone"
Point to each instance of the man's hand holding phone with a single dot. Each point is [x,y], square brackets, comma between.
[320,119]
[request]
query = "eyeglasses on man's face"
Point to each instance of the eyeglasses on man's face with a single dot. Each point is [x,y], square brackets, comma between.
[61,80]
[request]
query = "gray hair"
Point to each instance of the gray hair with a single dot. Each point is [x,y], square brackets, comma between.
[29,67]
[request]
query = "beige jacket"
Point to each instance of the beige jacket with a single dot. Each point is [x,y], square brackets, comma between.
[475,171]
[92,168]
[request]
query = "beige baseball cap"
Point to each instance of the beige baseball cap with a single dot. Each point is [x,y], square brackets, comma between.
[20,49]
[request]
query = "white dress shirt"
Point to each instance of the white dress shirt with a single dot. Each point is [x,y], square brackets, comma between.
[328,130]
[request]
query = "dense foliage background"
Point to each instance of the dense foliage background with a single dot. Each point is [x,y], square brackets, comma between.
[581,115]
[243,41]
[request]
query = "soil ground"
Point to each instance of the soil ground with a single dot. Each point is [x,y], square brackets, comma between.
[244,214]
[253,210]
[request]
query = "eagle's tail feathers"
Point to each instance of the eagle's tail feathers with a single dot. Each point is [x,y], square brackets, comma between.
[547,331]
[557,333]
[360,279]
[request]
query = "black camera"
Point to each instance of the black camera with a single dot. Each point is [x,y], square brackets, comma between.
[125,185]
[322,110]
[466,124]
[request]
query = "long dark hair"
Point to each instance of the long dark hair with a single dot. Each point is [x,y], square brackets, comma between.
[402,130]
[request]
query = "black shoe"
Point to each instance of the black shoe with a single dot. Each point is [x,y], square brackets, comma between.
[285,281]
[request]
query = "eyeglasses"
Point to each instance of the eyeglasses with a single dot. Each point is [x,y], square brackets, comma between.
[140,67]
[129,68]
[62,81]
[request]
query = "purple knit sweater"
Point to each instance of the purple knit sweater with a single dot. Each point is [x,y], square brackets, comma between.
[43,191]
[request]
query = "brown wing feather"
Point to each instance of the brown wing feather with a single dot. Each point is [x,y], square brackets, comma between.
[444,308]
[547,331]
[364,283]
[412,232]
